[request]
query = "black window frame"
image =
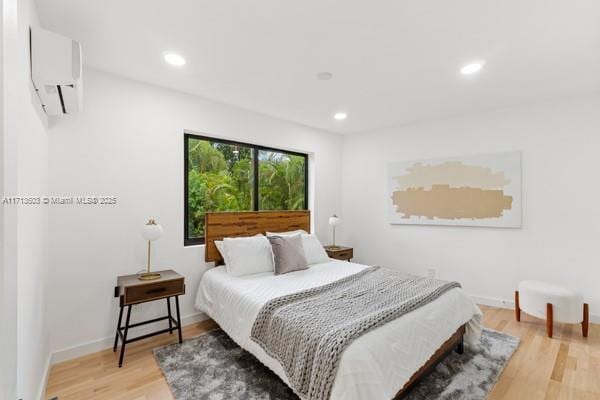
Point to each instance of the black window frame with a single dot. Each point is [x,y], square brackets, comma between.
[188,241]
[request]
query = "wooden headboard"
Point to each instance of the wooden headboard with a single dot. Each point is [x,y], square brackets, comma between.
[219,225]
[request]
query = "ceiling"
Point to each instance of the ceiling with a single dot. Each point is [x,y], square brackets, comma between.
[393,61]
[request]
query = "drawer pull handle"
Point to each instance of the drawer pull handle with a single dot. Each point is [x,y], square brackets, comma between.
[157,290]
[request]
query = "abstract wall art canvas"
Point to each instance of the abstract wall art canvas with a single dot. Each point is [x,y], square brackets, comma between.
[479,190]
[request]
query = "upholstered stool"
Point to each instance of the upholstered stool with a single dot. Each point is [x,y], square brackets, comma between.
[552,302]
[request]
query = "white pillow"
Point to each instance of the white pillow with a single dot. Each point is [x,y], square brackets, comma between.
[221,247]
[313,250]
[248,255]
[289,233]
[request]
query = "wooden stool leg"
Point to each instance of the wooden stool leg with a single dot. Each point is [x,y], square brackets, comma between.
[586,319]
[517,306]
[549,319]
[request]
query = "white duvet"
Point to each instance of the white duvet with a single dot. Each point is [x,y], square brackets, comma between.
[373,367]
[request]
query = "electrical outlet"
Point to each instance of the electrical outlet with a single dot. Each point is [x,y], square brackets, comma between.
[431,273]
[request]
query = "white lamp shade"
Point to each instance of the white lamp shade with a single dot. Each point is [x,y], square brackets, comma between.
[334,220]
[152,232]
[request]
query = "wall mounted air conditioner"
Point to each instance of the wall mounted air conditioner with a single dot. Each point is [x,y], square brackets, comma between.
[56,71]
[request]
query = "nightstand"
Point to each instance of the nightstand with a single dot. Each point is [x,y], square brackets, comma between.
[340,252]
[131,291]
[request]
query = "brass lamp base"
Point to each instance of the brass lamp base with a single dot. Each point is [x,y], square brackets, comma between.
[149,276]
[333,247]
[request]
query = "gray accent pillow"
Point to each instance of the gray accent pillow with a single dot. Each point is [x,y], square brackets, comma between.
[288,254]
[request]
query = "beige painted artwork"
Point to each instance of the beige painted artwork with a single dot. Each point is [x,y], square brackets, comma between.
[482,190]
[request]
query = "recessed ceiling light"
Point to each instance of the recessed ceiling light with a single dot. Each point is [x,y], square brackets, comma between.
[174,59]
[340,116]
[324,76]
[471,68]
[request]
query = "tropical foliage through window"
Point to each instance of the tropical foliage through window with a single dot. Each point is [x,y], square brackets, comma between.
[220,176]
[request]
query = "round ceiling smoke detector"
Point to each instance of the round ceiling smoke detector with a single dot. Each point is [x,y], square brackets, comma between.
[324,76]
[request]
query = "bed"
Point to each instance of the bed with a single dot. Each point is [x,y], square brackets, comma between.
[381,364]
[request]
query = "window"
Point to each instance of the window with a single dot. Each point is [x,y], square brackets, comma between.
[281,180]
[222,175]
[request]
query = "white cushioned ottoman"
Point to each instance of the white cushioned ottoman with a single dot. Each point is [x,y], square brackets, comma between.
[551,302]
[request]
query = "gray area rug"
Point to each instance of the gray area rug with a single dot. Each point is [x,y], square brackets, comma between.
[212,367]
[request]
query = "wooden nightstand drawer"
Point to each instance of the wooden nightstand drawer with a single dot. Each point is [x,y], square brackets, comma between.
[340,253]
[343,255]
[153,291]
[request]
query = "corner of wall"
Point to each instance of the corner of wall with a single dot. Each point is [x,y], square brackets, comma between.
[41,395]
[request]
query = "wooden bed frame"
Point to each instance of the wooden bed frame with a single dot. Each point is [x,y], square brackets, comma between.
[455,342]
[219,225]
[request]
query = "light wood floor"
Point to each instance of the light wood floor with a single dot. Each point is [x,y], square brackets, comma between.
[565,367]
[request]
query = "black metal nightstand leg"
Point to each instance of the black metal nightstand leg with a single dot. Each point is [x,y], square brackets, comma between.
[125,336]
[118,327]
[170,321]
[178,318]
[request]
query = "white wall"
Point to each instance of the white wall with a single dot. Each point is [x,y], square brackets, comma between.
[560,237]
[8,278]
[25,150]
[128,142]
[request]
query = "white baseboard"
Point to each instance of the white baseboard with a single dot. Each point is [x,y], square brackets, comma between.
[94,346]
[493,302]
[510,304]
[42,391]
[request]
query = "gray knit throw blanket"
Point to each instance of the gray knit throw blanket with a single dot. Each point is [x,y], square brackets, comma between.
[307,331]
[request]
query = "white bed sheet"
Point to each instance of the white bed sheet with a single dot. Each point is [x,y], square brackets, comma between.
[373,367]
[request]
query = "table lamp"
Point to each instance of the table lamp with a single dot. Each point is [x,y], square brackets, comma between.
[334,221]
[151,232]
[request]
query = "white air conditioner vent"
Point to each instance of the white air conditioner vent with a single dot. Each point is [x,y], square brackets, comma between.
[56,71]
